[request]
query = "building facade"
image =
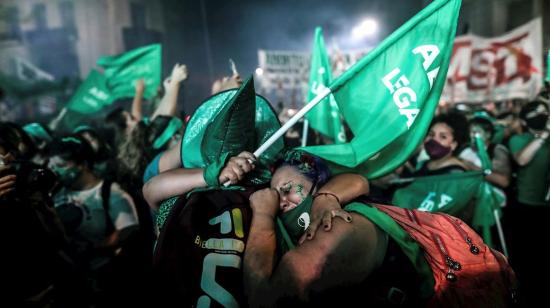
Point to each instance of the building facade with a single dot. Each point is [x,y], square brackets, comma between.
[65,37]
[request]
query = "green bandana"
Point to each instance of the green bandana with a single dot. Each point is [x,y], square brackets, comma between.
[231,122]
[71,139]
[82,128]
[173,126]
[37,131]
[212,171]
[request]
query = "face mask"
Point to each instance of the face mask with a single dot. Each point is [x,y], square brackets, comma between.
[435,150]
[297,220]
[67,175]
[100,169]
[537,122]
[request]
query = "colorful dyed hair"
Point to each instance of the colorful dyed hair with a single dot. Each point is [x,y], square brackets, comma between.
[312,167]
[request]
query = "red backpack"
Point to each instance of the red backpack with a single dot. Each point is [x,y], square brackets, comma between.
[467,272]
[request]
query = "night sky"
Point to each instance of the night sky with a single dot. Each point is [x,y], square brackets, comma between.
[238,28]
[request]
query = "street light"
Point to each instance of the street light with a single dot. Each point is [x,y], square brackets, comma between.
[259,71]
[366,28]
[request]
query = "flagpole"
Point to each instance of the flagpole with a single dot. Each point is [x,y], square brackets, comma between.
[304,133]
[55,122]
[324,93]
[281,131]
[500,233]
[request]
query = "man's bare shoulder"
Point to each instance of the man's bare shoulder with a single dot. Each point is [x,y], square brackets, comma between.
[346,254]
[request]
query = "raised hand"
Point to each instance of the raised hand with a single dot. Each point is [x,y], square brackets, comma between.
[139,86]
[179,73]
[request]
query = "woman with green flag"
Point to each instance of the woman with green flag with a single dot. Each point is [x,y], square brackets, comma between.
[385,257]
[447,135]
[371,259]
[483,126]
[441,183]
[216,218]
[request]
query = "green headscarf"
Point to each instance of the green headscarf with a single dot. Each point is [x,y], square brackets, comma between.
[228,123]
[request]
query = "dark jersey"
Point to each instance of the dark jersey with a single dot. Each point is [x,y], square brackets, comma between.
[199,254]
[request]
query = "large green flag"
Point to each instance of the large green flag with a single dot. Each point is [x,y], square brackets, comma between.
[451,194]
[388,98]
[91,96]
[325,116]
[123,70]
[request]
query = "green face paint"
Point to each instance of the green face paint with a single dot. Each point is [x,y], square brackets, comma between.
[300,191]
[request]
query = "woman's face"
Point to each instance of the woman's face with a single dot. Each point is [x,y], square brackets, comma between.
[293,187]
[478,129]
[443,134]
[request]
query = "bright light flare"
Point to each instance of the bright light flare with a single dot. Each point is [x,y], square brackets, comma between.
[367,27]
[259,71]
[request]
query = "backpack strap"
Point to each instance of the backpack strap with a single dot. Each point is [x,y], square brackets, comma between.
[105,197]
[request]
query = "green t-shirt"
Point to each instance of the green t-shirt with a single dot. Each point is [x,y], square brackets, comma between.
[533,179]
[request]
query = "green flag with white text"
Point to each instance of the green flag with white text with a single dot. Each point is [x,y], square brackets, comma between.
[123,70]
[464,195]
[325,116]
[389,96]
[449,193]
[91,96]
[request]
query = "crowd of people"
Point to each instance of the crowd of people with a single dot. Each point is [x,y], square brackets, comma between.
[112,214]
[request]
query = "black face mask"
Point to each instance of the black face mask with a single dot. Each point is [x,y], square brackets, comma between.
[537,122]
[435,149]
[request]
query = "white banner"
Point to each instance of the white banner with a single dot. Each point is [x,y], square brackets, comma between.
[289,70]
[283,70]
[495,69]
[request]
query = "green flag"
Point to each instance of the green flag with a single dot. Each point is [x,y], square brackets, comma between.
[123,70]
[490,198]
[486,165]
[388,98]
[325,116]
[451,194]
[230,122]
[91,96]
